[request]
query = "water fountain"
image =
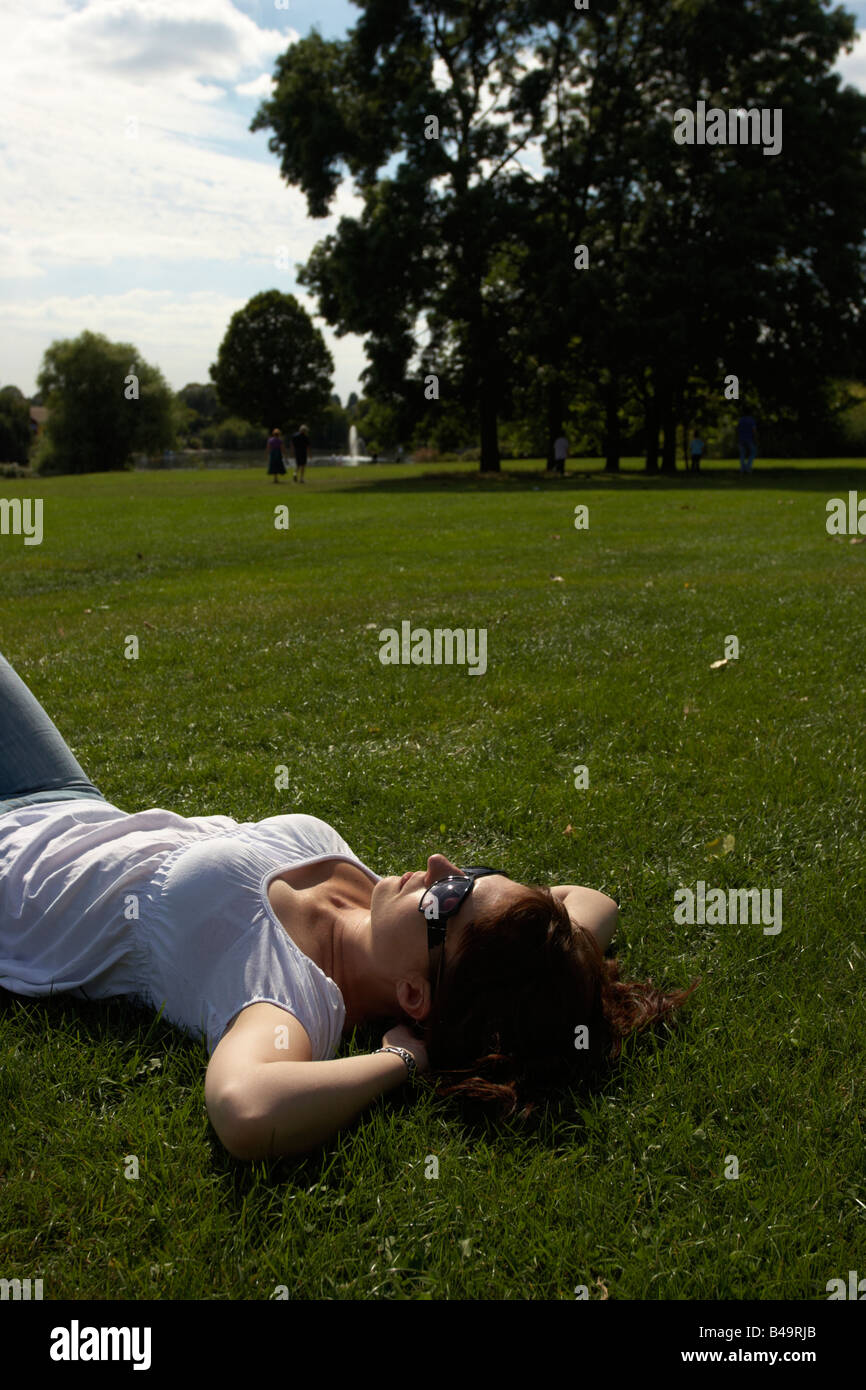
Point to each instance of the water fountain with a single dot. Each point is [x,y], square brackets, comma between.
[356,452]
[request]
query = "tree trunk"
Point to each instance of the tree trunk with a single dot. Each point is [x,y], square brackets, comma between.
[651,421]
[484,355]
[487,407]
[669,422]
[611,444]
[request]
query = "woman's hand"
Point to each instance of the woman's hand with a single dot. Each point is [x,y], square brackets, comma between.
[402,1036]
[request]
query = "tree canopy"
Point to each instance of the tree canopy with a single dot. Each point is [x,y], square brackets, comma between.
[273,366]
[104,404]
[702,261]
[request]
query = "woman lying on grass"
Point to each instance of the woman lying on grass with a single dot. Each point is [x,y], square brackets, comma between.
[273,939]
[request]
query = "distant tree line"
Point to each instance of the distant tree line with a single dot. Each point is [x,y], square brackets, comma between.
[105,404]
[92,425]
[614,295]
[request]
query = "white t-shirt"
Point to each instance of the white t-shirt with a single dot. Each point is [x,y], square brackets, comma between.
[171,910]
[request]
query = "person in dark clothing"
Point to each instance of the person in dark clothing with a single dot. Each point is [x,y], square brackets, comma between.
[747,432]
[276,463]
[300,444]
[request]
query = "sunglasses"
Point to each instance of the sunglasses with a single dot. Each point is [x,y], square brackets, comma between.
[441,901]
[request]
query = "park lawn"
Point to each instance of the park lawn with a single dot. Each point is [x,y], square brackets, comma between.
[258,650]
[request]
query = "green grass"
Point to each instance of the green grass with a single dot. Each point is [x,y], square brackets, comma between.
[259,648]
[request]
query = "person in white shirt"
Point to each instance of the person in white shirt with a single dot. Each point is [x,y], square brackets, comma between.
[273,940]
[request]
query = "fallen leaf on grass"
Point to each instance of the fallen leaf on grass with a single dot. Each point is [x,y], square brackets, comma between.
[569,830]
[557,579]
[723,844]
[714,665]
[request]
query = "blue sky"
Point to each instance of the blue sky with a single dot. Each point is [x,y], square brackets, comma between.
[135,202]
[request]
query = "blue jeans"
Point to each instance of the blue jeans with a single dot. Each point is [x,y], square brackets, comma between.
[747,457]
[35,762]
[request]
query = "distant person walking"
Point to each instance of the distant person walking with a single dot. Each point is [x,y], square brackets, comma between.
[276,462]
[747,435]
[560,454]
[697,449]
[300,444]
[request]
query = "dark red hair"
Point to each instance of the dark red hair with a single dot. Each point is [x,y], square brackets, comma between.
[501,1035]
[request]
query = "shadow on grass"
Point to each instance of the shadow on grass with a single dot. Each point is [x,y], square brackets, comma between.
[140,1043]
[833,481]
[117,1021]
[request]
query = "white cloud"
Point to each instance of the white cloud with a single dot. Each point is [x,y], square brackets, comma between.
[155,38]
[128,153]
[852,65]
[259,87]
[180,334]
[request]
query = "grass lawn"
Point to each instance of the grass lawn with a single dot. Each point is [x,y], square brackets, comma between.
[259,648]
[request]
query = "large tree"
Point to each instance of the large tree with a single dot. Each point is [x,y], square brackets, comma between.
[704,260]
[273,366]
[104,404]
[428,79]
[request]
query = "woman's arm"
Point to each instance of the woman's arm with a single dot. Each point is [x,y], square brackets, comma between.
[290,1108]
[266,1097]
[590,909]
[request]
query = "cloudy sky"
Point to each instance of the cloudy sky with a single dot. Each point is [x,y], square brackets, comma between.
[135,202]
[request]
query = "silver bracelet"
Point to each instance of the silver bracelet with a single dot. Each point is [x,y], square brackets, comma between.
[401,1052]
